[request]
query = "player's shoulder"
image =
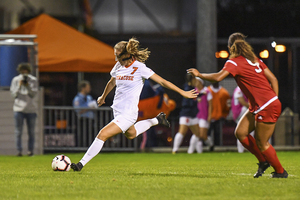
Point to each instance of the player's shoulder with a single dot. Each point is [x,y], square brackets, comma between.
[138,64]
[235,61]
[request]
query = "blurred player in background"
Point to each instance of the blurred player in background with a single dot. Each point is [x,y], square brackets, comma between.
[260,86]
[239,105]
[204,104]
[128,75]
[187,116]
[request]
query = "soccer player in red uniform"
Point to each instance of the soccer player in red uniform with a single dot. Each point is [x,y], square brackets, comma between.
[260,86]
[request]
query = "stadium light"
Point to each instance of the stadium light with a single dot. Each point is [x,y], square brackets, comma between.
[273,44]
[280,48]
[222,54]
[264,54]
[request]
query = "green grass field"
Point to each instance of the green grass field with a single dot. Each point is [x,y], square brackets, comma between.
[149,176]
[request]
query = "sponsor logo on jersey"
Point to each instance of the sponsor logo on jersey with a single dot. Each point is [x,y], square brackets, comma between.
[260,117]
[128,78]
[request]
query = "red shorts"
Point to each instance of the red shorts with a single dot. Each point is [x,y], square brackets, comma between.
[270,113]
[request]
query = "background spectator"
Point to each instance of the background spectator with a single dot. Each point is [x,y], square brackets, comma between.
[24,88]
[220,110]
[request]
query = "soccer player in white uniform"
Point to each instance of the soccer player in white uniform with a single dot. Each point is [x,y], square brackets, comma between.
[128,76]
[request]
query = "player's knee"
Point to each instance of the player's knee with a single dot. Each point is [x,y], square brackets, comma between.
[102,136]
[240,135]
[130,136]
[262,145]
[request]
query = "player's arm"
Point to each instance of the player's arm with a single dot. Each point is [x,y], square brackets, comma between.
[109,86]
[171,86]
[212,77]
[273,80]
[243,102]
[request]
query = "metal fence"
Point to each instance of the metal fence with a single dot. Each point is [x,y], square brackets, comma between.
[65,130]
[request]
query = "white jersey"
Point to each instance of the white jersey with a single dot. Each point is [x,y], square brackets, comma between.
[129,85]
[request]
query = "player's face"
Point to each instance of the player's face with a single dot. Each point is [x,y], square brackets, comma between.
[117,53]
[120,58]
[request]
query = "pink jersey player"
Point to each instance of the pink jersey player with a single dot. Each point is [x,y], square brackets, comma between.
[236,107]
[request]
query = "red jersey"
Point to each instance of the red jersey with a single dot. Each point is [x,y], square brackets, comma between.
[251,79]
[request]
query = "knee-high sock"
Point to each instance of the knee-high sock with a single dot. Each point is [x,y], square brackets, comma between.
[93,150]
[199,146]
[193,142]
[177,141]
[250,144]
[240,147]
[144,125]
[271,157]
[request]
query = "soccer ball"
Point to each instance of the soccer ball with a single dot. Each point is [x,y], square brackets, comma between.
[61,163]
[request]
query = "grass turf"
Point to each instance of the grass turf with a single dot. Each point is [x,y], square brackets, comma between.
[148,176]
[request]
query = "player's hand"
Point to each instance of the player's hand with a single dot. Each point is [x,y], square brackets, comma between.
[190,94]
[193,71]
[100,101]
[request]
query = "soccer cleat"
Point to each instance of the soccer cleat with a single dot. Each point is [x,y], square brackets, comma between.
[30,153]
[77,167]
[262,166]
[280,175]
[161,117]
[19,154]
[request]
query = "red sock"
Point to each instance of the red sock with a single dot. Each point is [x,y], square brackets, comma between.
[250,144]
[271,156]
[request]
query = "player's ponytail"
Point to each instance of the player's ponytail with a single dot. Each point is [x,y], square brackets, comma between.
[241,48]
[132,48]
[139,54]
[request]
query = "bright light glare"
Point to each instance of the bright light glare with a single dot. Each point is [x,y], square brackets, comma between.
[9,40]
[273,44]
[223,54]
[264,54]
[280,48]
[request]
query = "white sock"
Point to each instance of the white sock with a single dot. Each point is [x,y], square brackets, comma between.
[144,125]
[208,142]
[240,147]
[93,150]
[199,146]
[193,142]
[177,141]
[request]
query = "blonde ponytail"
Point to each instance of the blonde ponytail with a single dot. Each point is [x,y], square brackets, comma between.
[132,48]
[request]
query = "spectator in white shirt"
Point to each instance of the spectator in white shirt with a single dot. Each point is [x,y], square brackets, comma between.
[24,88]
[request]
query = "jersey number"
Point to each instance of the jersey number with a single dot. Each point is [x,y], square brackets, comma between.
[258,70]
[134,70]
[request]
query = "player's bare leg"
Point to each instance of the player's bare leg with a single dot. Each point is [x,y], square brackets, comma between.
[263,132]
[245,126]
[105,133]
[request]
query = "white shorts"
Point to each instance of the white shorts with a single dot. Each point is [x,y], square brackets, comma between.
[203,123]
[189,121]
[124,122]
